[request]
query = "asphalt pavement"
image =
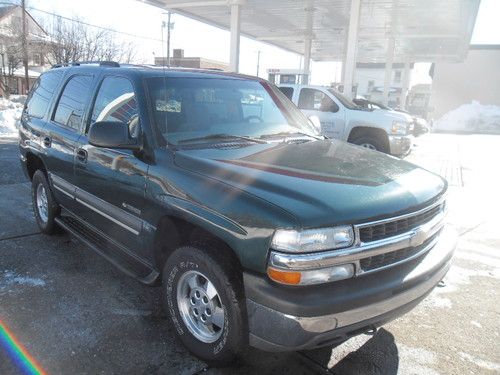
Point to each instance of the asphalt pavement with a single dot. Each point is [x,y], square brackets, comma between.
[76,314]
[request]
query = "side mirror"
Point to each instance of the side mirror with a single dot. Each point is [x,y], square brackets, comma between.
[112,134]
[314,120]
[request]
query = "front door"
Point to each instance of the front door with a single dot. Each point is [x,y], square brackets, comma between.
[111,182]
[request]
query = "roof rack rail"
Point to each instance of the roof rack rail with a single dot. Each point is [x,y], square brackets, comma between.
[78,63]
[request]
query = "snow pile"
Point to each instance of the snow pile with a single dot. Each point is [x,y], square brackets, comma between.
[10,114]
[471,118]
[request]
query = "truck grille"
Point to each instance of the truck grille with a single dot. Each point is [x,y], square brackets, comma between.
[382,260]
[393,228]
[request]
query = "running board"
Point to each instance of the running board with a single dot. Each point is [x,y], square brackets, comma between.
[109,249]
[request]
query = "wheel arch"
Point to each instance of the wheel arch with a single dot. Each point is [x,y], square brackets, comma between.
[174,231]
[34,163]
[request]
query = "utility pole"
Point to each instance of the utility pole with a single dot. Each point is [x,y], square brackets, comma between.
[25,46]
[169,14]
[258,62]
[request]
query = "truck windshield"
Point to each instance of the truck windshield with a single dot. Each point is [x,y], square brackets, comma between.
[201,109]
[348,103]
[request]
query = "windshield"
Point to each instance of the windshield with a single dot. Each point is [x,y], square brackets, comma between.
[348,103]
[193,109]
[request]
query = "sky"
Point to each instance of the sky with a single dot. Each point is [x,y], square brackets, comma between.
[198,39]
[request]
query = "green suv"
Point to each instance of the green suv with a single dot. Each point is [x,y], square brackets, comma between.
[216,186]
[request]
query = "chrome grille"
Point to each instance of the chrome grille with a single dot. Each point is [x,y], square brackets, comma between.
[387,259]
[393,228]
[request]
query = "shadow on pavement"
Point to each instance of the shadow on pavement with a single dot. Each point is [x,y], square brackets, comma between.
[378,355]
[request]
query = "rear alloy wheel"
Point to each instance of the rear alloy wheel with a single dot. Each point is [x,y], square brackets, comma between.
[44,204]
[203,296]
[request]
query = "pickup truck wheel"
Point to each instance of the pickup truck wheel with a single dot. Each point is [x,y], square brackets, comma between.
[370,142]
[44,204]
[204,301]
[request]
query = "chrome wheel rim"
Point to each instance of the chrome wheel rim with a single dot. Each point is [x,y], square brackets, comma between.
[368,146]
[41,203]
[200,306]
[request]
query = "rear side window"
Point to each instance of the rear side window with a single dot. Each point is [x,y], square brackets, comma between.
[288,91]
[69,111]
[116,101]
[41,93]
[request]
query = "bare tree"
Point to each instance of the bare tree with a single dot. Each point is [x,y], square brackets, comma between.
[11,57]
[75,41]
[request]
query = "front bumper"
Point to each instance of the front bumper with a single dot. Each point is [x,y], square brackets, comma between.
[290,318]
[400,144]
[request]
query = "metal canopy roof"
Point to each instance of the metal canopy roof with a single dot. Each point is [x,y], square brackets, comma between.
[424,30]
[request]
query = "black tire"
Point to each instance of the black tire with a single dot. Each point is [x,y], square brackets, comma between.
[377,143]
[224,276]
[46,221]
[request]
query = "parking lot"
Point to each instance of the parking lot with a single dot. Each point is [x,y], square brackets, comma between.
[75,313]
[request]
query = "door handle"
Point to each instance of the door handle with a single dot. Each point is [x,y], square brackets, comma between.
[81,155]
[47,142]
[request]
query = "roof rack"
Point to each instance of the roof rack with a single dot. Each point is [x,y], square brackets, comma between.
[78,63]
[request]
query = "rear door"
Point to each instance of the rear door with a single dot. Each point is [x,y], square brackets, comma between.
[35,112]
[315,102]
[111,182]
[61,136]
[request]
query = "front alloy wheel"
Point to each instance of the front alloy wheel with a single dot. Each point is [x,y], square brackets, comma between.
[368,146]
[203,295]
[200,306]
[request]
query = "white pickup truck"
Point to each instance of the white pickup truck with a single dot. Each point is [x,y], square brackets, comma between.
[385,131]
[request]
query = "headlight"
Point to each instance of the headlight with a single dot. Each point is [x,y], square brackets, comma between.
[313,239]
[399,127]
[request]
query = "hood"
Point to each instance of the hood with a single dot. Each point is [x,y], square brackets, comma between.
[395,115]
[321,183]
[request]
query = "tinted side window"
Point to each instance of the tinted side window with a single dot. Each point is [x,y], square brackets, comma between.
[41,93]
[69,111]
[316,100]
[116,101]
[288,91]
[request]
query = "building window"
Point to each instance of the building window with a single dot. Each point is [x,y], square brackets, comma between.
[37,59]
[397,76]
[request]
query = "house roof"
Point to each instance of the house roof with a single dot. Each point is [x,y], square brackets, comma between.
[6,10]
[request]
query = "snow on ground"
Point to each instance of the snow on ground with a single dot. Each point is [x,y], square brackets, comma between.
[10,113]
[473,117]
[10,279]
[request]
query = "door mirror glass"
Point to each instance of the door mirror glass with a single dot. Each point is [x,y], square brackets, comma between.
[314,120]
[112,134]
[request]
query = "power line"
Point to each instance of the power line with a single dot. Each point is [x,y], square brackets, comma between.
[93,25]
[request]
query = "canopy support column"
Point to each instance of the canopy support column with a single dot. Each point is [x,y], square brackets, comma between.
[308,42]
[352,41]
[235,30]
[406,85]
[388,69]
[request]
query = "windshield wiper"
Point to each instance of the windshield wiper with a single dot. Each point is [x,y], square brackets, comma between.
[222,136]
[289,135]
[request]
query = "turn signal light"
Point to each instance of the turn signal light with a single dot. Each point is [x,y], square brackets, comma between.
[284,277]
